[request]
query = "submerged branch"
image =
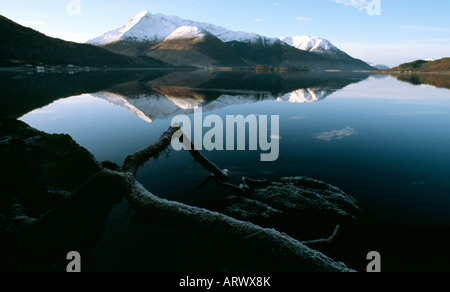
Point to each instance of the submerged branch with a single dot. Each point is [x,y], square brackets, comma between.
[222,175]
[138,159]
[247,185]
[323,241]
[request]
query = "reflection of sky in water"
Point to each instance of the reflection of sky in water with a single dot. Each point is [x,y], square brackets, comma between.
[383,141]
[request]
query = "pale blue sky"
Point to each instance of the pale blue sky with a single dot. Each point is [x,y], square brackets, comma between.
[406,29]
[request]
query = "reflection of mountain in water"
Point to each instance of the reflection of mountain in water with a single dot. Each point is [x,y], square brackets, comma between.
[180,92]
[160,94]
[307,95]
[22,92]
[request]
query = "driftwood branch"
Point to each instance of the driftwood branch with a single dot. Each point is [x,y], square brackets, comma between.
[282,248]
[247,184]
[138,159]
[222,175]
[323,241]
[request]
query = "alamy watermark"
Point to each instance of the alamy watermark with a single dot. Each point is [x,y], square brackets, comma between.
[375,262]
[74,266]
[374,8]
[233,130]
[74,7]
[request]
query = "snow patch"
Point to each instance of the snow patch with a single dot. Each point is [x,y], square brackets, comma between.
[433,59]
[311,44]
[187,32]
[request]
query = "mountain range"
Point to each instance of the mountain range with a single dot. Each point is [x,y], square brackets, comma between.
[185,42]
[157,41]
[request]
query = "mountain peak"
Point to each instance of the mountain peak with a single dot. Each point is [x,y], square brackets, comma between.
[134,21]
[187,32]
[310,44]
[141,14]
[138,29]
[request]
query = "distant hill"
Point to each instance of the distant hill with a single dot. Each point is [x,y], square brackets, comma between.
[441,65]
[21,45]
[379,66]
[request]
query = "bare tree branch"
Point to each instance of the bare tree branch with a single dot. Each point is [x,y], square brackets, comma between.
[138,159]
[323,241]
[222,175]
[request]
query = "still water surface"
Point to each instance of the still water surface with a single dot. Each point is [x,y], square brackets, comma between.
[383,141]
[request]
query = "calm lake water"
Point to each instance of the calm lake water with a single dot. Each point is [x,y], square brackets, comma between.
[383,141]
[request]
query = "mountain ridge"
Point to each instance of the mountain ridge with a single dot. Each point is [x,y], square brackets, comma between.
[142,34]
[135,29]
[311,44]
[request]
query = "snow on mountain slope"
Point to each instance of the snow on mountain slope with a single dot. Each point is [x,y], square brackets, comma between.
[433,59]
[311,44]
[142,27]
[187,32]
[147,27]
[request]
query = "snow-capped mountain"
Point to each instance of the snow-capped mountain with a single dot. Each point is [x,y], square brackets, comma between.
[379,66]
[154,28]
[147,27]
[155,36]
[317,45]
[311,44]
